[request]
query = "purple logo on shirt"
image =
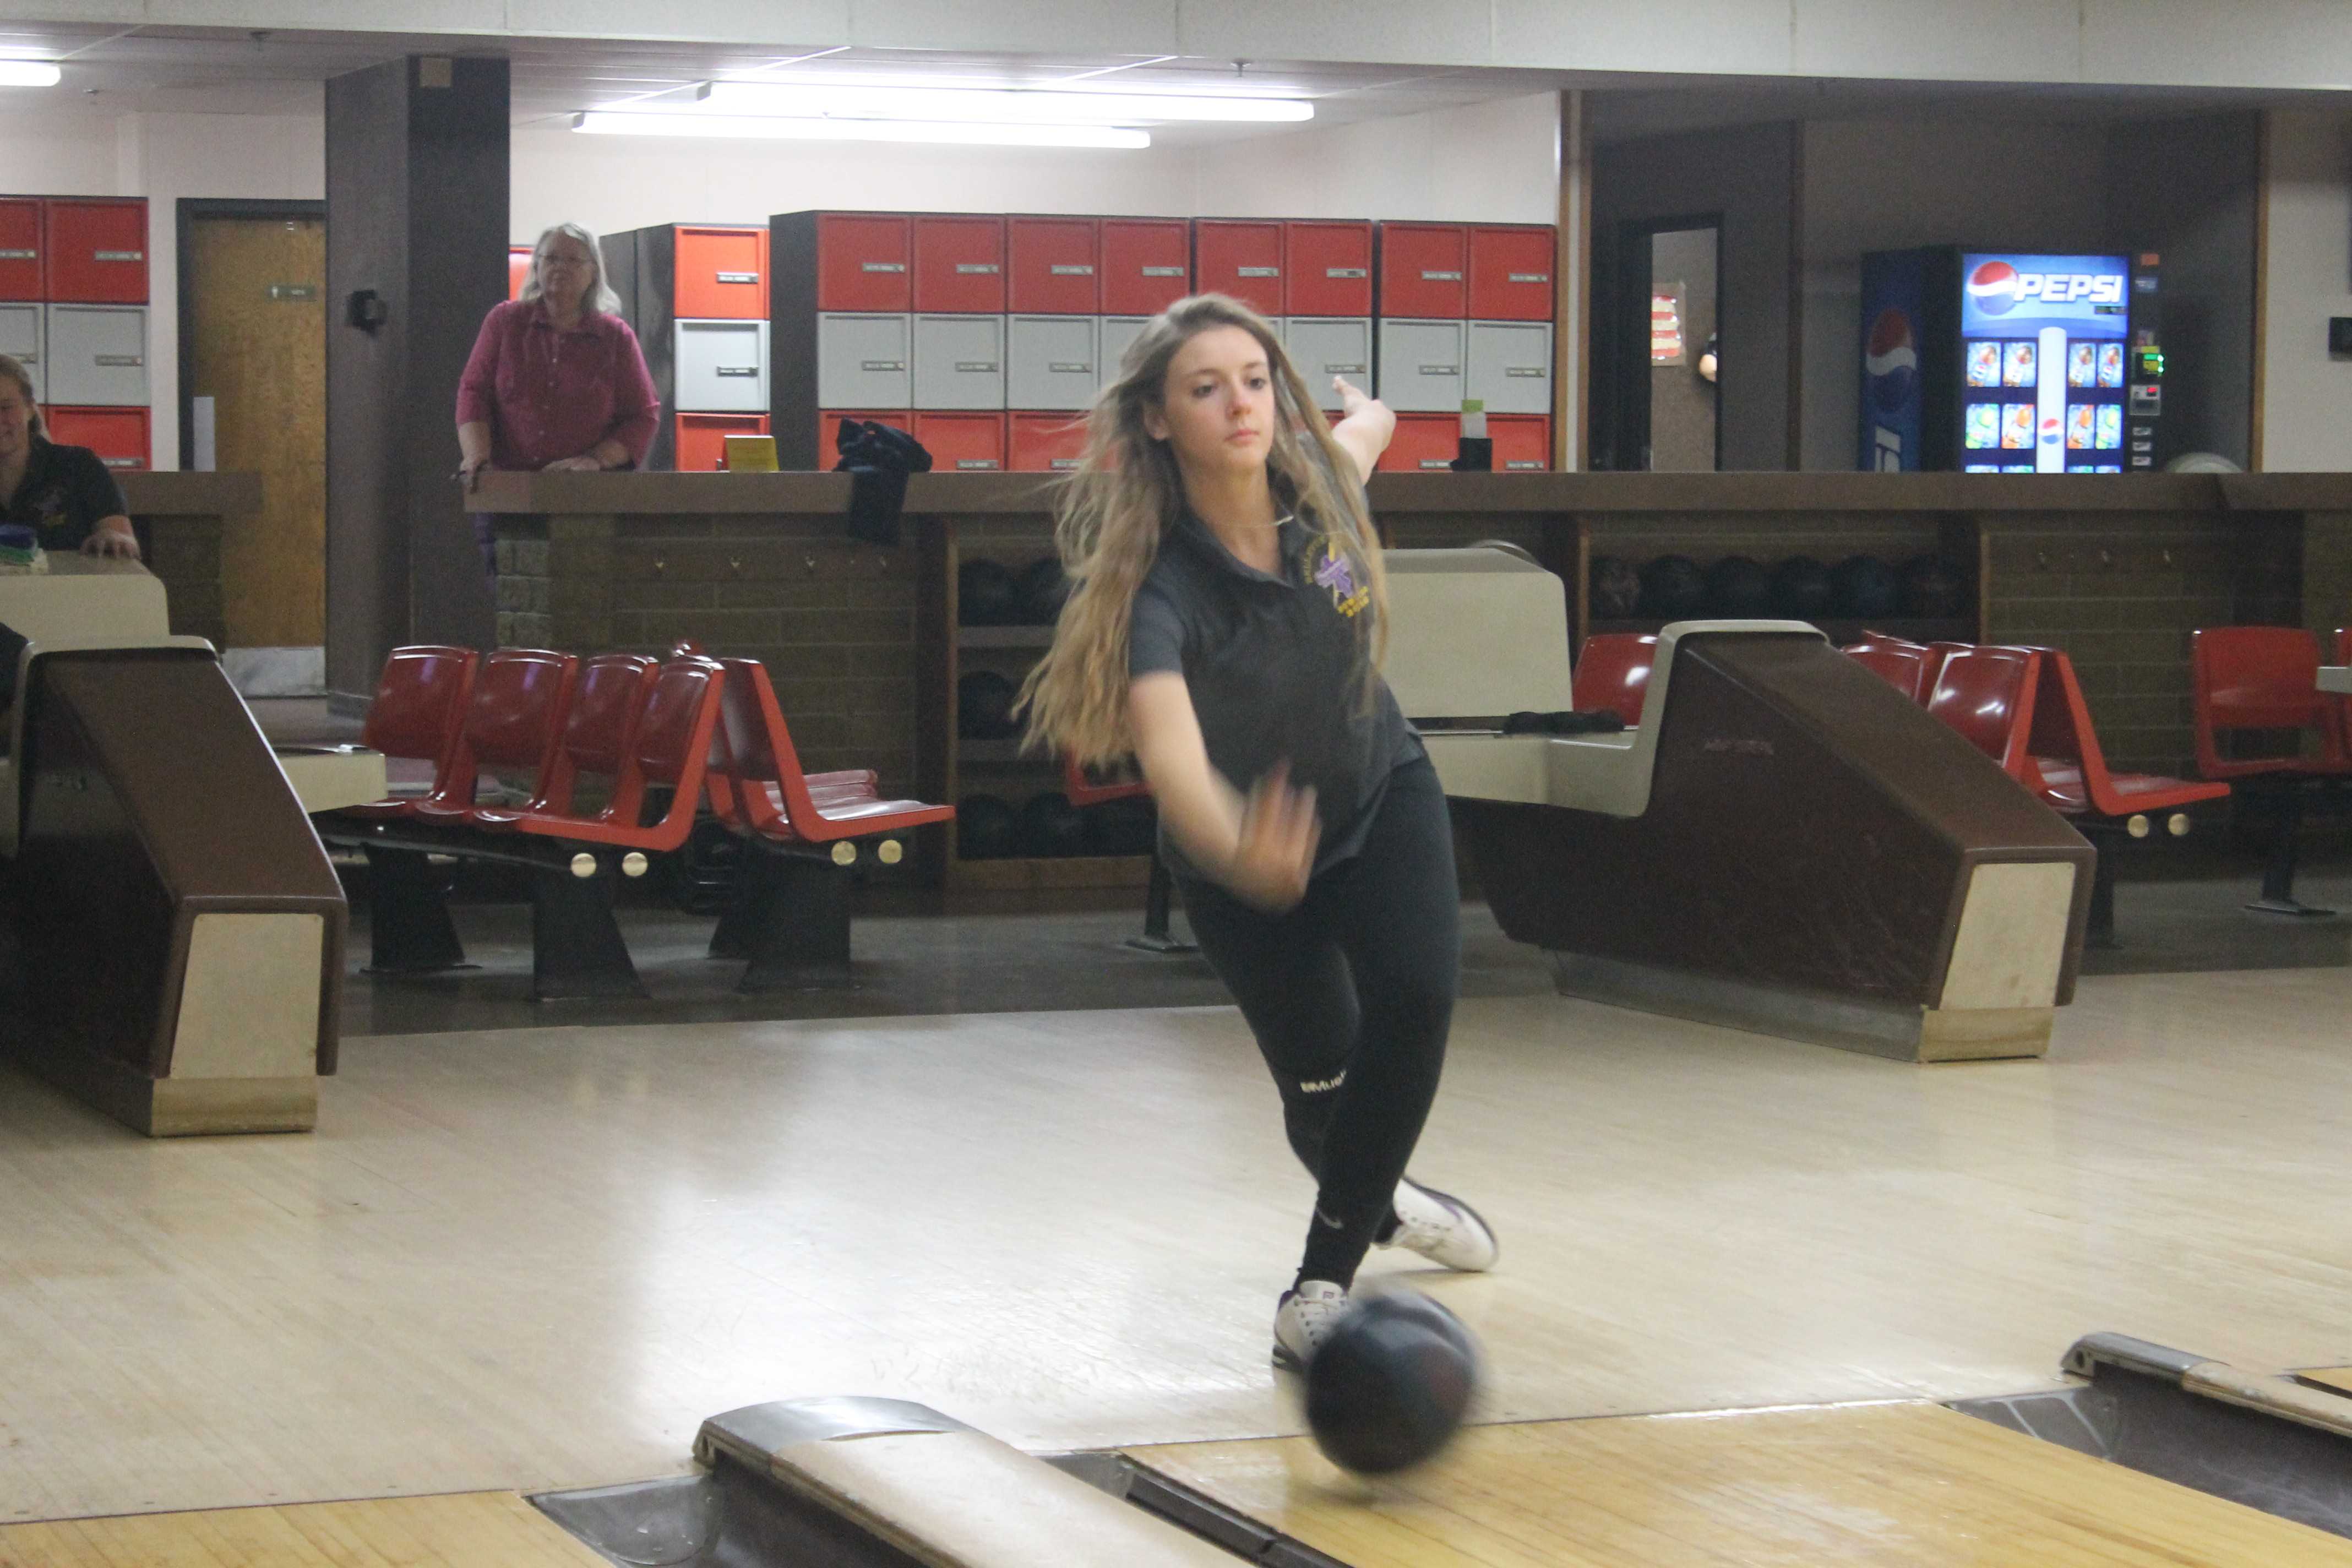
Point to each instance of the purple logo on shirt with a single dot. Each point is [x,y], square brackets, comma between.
[1334,574]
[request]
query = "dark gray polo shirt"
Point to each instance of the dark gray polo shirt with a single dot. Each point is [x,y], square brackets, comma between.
[1275,668]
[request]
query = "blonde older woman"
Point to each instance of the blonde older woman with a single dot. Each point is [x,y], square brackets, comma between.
[556,381]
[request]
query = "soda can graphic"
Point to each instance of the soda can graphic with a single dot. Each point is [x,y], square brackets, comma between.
[2078,427]
[1984,424]
[2082,367]
[2111,427]
[1984,364]
[2111,364]
[2017,364]
[2017,425]
[1980,467]
[2017,467]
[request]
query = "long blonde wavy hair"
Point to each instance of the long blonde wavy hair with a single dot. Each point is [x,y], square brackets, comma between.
[1113,511]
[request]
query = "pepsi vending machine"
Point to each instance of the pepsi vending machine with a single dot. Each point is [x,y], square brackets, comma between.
[2003,364]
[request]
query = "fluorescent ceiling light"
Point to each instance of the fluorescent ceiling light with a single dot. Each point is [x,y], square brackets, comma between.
[602,123]
[29,73]
[1028,106]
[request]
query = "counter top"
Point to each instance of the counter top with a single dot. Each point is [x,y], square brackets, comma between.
[979,494]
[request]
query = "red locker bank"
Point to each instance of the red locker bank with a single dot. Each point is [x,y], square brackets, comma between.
[1240,257]
[962,443]
[959,265]
[1057,266]
[1426,443]
[1327,268]
[1046,443]
[22,275]
[1147,264]
[118,435]
[96,252]
[701,439]
[1424,269]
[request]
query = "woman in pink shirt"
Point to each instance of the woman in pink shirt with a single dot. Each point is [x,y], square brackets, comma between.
[556,381]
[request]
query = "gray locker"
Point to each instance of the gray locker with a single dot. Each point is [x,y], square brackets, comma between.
[721,367]
[1325,346]
[1117,333]
[863,360]
[958,362]
[1051,362]
[1420,366]
[20,339]
[1510,366]
[97,355]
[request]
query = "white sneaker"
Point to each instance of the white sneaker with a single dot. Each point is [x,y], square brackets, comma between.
[1304,1320]
[1442,1228]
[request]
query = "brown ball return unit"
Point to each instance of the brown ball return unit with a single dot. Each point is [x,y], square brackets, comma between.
[1782,843]
[178,929]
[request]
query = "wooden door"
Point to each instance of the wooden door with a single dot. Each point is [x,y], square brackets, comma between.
[257,330]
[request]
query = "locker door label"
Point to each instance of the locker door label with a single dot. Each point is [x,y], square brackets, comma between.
[1441,370]
[1070,367]
[1343,272]
[1148,272]
[1345,369]
[975,462]
[118,255]
[122,361]
[1065,462]
[739,277]
[1429,276]
[977,268]
[1257,271]
[1436,462]
[1523,463]
[738,370]
[884,266]
[35,255]
[1073,270]
[977,366]
[882,365]
[120,462]
[1534,371]
[1530,277]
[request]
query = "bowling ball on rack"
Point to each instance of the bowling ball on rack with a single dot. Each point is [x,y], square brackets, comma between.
[1051,826]
[1862,587]
[1673,588]
[1040,592]
[1390,1385]
[984,706]
[1616,588]
[985,828]
[987,594]
[1801,589]
[1739,588]
[1931,587]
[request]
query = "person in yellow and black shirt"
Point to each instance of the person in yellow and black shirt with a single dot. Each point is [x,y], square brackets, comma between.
[63,493]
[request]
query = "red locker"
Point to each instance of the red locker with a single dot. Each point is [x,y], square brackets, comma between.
[861,262]
[828,429]
[959,264]
[1423,443]
[1240,258]
[118,435]
[1047,443]
[1511,272]
[1056,265]
[1147,265]
[517,269]
[20,249]
[962,443]
[1522,442]
[720,274]
[1423,269]
[97,251]
[702,438]
[1327,268]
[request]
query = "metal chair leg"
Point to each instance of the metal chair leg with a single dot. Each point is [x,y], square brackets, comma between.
[576,949]
[2278,877]
[1157,900]
[409,928]
[801,939]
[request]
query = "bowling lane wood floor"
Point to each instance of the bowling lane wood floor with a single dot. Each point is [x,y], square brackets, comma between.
[537,1258]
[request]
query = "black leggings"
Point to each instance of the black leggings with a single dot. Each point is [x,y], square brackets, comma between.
[1350,994]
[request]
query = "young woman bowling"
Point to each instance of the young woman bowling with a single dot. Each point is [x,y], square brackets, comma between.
[1224,628]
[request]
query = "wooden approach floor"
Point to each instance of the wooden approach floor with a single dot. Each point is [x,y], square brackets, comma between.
[539,1258]
[466,1528]
[1884,1486]
[2338,1377]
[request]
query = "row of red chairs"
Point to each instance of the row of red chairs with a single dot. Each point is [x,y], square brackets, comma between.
[695,729]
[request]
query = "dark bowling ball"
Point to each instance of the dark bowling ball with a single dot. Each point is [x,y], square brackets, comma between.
[1800,588]
[1673,588]
[1390,1386]
[984,706]
[1041,591]
[1616,588]
[1125,826]
[1739,588]
[1861,587]
[1051,826]
[1932,586]
[987,594]
[985,828]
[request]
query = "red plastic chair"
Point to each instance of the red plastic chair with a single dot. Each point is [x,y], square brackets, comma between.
[513,721]
[2267,678]
[420,704]
[1903,666]
[1987,696]
[1613,673]
[1158,893]
[2068,768]
[794,923]
[599,727]
[670,746]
